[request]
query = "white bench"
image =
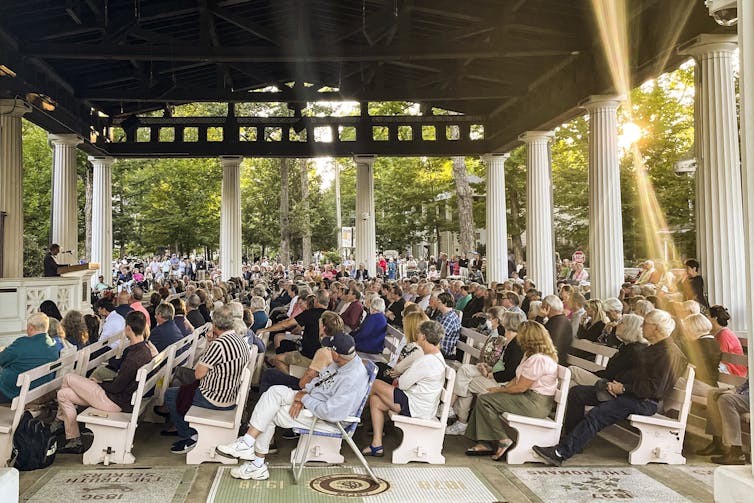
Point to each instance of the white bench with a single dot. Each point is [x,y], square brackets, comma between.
[471,347]
[216,427]
[660,438]
[114,431]
[601,354]
[11,416]
[543,431]
[393,344]
[88,360]
[423,438]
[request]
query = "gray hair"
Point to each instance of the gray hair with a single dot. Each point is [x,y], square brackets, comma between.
[511,320]
[643,307]
[194,301]
[554,302]
[257,303]
[535,307]
[631,331]
[612,304]
[663,320]
[222,318]
[432,331]
[236,308]
[165,311]
[39,322]
[378,305]
[697,324]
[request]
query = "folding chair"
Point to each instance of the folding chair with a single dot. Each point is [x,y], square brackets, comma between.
[298,461]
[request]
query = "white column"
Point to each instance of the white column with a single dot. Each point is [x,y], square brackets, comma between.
[540,256]
[366,234]
[746,90]
[230,217]
[605,221]
[497,224]
[718,176]
[12,185]
[65,229]
[102,217]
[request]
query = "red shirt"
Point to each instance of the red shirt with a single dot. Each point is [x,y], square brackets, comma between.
[729,343]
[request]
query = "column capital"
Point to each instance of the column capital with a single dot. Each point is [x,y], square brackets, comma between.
[65,139]
[231,161]
[596,101]
[536,136]
[495,156]
[705,44]
[15,107]
[365,159]
[101,160]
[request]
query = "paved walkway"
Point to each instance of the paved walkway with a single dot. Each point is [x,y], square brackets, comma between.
[602,473]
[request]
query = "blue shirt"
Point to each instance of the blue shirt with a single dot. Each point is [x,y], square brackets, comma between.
[25,353]
[370,336]
[338,391]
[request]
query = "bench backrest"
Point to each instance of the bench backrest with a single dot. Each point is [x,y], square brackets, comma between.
[146,383]
[735,359]
[679,398]
[472,347]
[447,393]
[394,342]
[372,372]
[25,379]
[243,389]
[601,354]
[561,394]
[88,359]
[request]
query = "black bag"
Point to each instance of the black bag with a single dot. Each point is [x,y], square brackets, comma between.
[34,445]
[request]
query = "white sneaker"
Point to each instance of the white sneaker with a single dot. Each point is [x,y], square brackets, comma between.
[451,413]
[457,428]
[250,471]
[238,449]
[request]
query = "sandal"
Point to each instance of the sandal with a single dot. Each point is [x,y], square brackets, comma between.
[502,448]
[376,452]
[473,451]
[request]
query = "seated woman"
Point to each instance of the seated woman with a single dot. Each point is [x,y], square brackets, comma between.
[411,351]
[499,359]
[593,322]
[535,311]
[77,329]
[703,351]
[629,333]
[257,305]
[727,339]
[370,336]
[418,391]
[531,393]
[57,334]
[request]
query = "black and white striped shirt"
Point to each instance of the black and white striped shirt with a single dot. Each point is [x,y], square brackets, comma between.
[226,358]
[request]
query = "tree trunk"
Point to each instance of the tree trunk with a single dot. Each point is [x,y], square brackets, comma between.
[306,228]
[515,226]
[465,213]
[88,215]
[285,231]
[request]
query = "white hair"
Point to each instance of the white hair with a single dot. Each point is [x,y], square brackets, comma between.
[612,304]
[663,320]
[554,302]
[39,322]
[631,331]
[378,304]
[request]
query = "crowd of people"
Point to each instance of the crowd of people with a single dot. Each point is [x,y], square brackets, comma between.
[326,319]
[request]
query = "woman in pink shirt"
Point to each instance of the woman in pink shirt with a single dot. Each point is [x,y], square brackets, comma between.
[531,393]
[728,340]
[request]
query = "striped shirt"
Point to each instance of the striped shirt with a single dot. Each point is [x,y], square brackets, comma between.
[226,358]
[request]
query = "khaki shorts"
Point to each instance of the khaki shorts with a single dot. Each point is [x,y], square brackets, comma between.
[295,358]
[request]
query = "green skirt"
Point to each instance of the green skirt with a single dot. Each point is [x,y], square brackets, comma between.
[485,422]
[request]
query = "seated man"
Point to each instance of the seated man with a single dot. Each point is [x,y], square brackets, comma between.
[219,374]
[166,332]
[112,396]
[724,410]
[638,391]
[26,353]
[370,336]
[333,396]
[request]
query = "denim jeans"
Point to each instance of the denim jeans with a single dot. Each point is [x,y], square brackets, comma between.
[183,428]
[600,417]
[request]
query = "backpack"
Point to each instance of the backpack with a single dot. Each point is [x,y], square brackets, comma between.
[34,445]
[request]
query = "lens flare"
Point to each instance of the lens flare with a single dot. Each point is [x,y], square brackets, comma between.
[613,23]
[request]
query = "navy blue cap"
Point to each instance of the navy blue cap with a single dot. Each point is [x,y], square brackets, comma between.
[341,343]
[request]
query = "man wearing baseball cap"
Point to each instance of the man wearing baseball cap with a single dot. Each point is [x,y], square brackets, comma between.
[333,396]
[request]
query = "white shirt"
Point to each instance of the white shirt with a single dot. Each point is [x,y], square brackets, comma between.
[114,324]
[292,305]
[422,383]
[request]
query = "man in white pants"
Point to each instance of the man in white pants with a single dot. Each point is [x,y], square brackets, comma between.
[333,396]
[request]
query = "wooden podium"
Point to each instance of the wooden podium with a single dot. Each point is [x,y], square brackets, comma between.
[66,269]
